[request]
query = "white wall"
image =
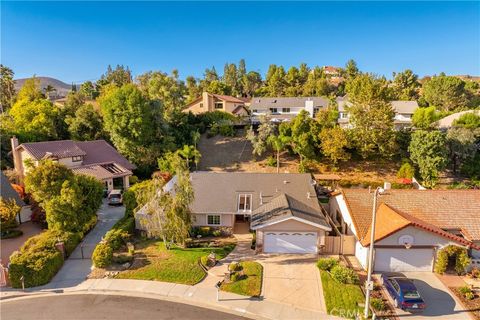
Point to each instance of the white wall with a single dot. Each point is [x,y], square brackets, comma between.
[337,203]
[421,237]
[361,253]
[226,220]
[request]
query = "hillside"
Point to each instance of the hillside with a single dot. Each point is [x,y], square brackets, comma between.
[61,87]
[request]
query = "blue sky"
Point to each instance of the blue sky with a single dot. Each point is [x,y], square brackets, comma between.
[75,41]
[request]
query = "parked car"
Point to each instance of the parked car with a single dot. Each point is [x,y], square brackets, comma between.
[403,292]
[115,197]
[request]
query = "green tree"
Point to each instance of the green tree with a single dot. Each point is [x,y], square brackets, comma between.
[134,124]
[7,88]
[9,211]
[86,124]
[462,146]
[193,88]
[88,90]
[445,92]
[351,69]
[219,87]
[371,115]
[316,83]
[405,85]
[119,76]
[429,153]
[275,81]
[294,83]
[278,142]
[188,153]
[259,140]
[251,82]
[304,136]
[34,117]
[468,120]
[328,117]
[334,140]
[425,118]
[230,78]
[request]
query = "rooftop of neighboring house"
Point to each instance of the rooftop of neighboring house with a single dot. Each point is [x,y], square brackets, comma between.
[448,121]
[331,69]
[402,107]
[93,152]
[219,97]
[7,192]
[438,211]
[286,102]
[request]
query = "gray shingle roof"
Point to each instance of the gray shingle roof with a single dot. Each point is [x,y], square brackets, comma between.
[219,192]
[284,206]
[7,192]
[404,107]
[59,149]
[286,102]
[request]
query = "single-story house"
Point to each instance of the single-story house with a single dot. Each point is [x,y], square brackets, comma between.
[411,225]
[7,193]
[404,111]
[94,158]
[285,108]
[281,208]
[209,102]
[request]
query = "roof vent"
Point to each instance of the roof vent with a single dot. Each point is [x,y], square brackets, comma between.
[285,181]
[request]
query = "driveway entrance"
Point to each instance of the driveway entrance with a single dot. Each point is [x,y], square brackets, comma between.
[292,279]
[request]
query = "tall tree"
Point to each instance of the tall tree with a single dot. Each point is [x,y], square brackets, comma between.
[429,153]
[134,124]
[86,124]
[334,140]
[294,84]
[259,140]
[193,88]
[275,81]
[406,85]
[371,115]
[351,69]
[7,88]
[230,77]
[316,83]
[252,82]
[119,76]
[461,145]
[304,136]
[88,90]
[445,92]
[278,142]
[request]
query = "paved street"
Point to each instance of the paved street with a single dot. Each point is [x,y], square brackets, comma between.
[93,306]
[76,269]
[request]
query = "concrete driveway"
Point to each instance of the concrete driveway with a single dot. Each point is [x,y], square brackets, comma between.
[292,279]
[441,305]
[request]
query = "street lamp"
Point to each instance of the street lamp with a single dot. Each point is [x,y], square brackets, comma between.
[369,283]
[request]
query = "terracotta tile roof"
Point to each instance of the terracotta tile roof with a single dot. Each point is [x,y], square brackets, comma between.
[442,209]
[59,149]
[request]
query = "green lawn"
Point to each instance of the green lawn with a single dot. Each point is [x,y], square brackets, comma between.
[251,285]
[341,299]
[154,262]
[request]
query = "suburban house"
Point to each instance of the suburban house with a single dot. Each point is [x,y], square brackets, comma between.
[331,71]
[285,108]
[209,102]
[411,225]
[403,113]
[94,158]
[282,208]
[7,193]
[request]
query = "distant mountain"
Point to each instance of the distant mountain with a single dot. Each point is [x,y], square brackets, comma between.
[62,88]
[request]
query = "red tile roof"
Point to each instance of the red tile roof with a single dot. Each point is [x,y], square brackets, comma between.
[441,209]
[227,98]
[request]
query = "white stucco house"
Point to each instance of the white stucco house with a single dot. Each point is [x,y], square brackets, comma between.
[411,225]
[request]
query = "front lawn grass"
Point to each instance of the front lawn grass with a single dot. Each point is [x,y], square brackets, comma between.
[251,284]
[341,299]
[179,265]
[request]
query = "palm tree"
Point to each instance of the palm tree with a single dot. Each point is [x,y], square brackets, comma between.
[196,137]
[190,152]
[49,88]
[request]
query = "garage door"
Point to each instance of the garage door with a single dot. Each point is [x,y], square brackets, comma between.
[290,242]
[398,260]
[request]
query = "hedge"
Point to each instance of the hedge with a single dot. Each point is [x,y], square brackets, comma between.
[113,240]
[38,260]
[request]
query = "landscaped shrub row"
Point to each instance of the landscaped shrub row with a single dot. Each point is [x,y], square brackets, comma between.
[210,232]
[39,260]
[326,264]
[113,240]
[344,275]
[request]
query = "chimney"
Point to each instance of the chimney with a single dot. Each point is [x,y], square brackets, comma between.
[387,185]
[17,159]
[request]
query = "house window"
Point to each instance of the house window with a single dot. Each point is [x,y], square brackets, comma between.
[245,202]
[215,220]
[76,158]
[273,110]
[285,110]
[315,111]
[218,105]
[201,105]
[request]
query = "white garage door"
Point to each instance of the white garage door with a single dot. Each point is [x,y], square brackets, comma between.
[398,260]
[290,242]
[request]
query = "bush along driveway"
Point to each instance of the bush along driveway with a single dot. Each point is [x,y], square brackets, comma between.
[179,265]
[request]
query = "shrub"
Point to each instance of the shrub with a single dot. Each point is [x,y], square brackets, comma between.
[475,273]
[217,233]
[326,264]
[469,296]
[9,210]
[234,266]
[102,255]
[38,260]
[236,276]
[461,259]
[344,275]
[204,261]
[406,171]
[271,161]
[377,304]
[465,289]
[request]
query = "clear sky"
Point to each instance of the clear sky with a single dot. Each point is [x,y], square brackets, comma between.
[75,41]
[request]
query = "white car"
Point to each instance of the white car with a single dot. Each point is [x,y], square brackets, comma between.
[115,197]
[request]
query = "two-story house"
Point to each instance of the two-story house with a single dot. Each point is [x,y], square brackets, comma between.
[281,208]
[285,108]
[209,102]
[94,158]
[404,111]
